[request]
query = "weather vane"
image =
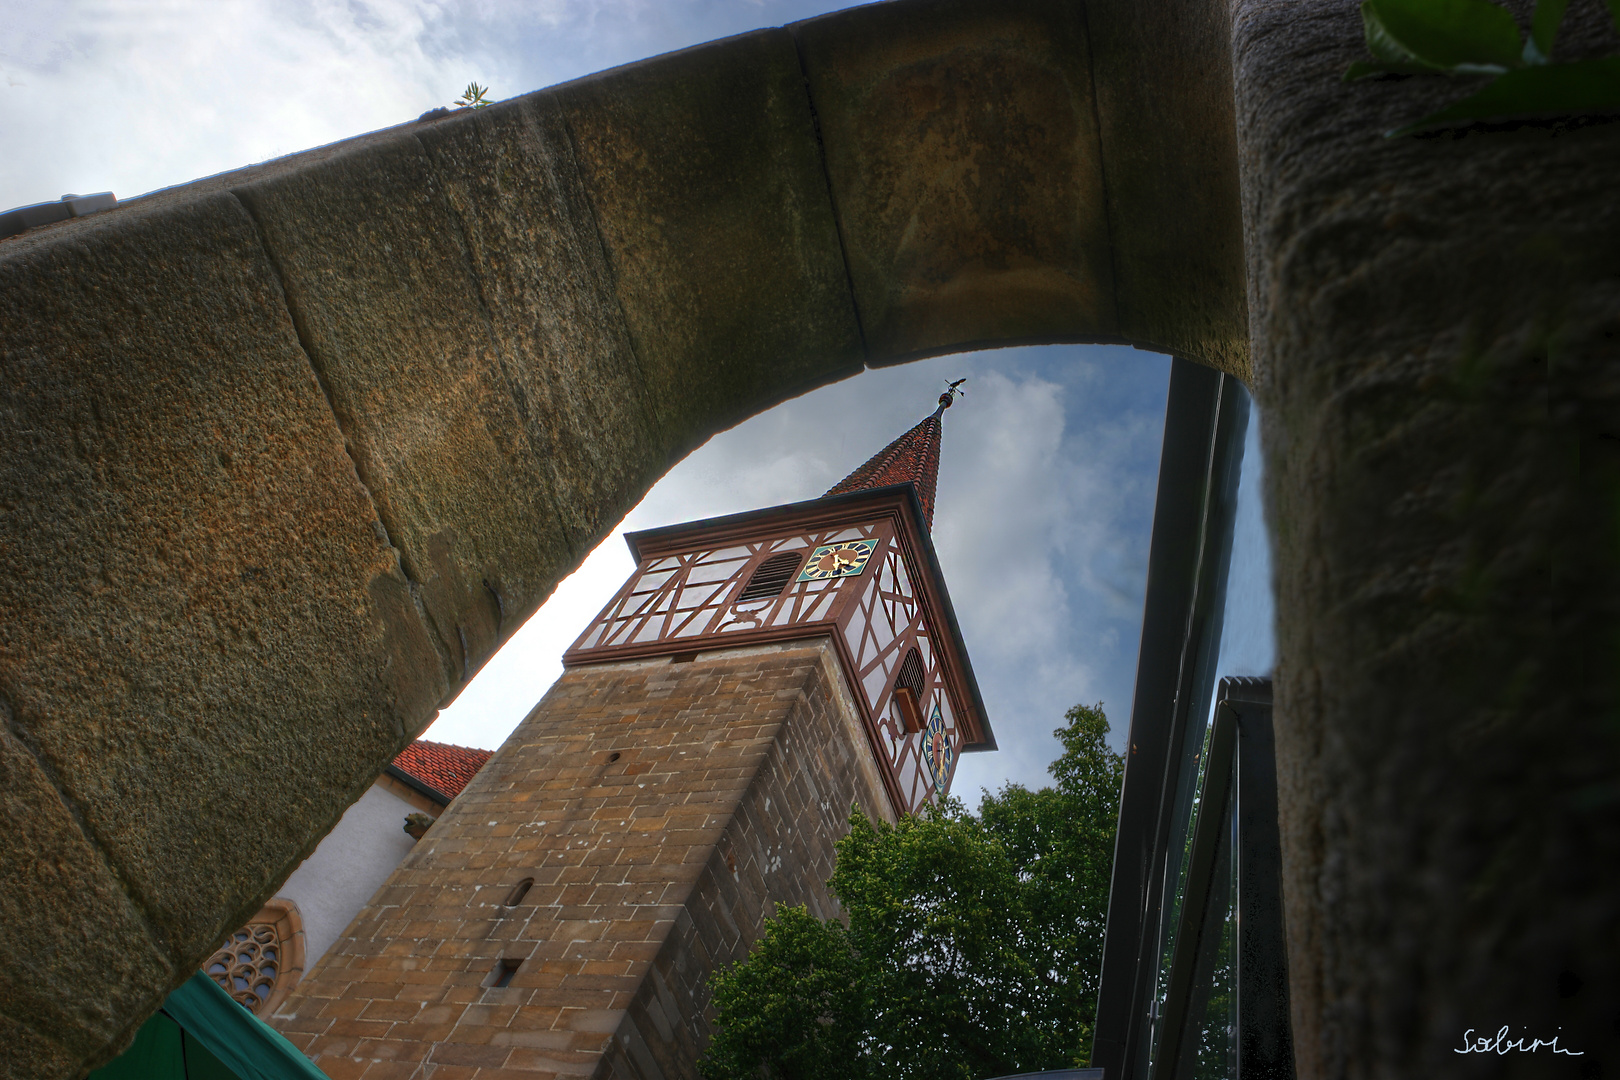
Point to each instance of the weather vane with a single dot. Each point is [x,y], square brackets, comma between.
[953,390]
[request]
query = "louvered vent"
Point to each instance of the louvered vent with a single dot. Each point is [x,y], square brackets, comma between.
[772,577]
[908,689]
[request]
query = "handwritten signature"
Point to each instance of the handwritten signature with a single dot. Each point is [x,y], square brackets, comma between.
[1501,1044]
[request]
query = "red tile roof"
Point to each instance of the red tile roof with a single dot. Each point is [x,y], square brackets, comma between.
[441,766]
[912,458]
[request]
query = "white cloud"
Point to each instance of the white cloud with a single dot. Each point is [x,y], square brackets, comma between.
[136,95]
[1062,490]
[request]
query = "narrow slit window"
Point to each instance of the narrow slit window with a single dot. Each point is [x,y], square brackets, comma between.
[772,576]
[908,690]
[519,892]
[504,970]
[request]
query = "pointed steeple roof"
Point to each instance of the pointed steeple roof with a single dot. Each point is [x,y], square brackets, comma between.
[912,458]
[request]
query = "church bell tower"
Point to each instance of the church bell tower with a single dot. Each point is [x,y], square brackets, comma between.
[756,676]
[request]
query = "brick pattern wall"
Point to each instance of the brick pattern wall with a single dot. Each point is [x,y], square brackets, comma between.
[733,778]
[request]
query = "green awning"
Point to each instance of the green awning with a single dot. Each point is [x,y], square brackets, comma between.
[200,1033]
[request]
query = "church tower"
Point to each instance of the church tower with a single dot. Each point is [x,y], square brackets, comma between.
[693,767]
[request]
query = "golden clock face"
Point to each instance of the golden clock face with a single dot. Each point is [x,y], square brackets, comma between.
[938,752]
[837,560]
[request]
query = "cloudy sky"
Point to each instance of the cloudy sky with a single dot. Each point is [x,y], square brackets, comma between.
[1045,500]
[1049,465]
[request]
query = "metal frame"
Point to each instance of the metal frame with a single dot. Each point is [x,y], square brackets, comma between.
[1237,813]
[1203,904]
[1206,417]
[1265,1032]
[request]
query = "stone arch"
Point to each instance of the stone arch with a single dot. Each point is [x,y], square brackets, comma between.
[290,450]
[339,422]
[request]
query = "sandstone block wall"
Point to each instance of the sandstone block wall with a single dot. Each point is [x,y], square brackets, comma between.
[1437,328]
[662,809]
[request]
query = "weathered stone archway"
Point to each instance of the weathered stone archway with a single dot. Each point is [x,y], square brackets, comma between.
[290,450]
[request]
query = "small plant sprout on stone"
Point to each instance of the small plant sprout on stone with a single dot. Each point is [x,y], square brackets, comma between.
[473,97]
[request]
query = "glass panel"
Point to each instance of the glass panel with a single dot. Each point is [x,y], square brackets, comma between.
[1208,1038]
[1248,634]
[1213,1046]
[1242,599]
[1186,811]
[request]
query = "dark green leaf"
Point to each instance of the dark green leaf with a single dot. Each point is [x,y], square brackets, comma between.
[1582,87]
[1460,36]
[1543,29]
[1390,56]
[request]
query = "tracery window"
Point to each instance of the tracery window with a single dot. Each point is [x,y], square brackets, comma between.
[261,963]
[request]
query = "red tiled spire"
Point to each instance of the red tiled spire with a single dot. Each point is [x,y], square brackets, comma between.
[442,766]
[912,458]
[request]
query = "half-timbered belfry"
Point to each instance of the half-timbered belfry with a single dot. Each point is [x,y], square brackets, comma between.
[856,566]
[755,677]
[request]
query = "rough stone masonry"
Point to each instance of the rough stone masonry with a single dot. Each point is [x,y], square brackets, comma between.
[658,810]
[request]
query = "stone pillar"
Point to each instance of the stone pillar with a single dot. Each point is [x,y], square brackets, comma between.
[660,810]
[1437,327]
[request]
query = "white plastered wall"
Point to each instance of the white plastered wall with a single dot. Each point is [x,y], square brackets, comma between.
[346,870]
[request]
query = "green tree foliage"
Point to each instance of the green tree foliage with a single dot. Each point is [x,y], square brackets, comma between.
[799,998]
[1062,839]
[973,943]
